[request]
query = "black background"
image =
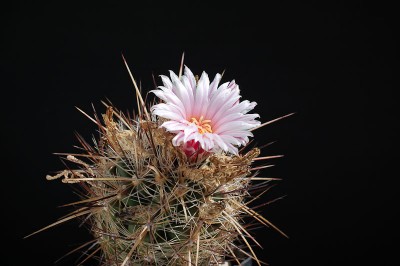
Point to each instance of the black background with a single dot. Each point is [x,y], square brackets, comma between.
[332,64]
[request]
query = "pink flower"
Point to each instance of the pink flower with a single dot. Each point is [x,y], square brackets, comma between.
[204,117]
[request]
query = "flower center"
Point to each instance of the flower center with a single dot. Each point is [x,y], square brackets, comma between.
[203,126]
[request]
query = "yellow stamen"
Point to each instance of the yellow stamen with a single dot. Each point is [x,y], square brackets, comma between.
[203,126]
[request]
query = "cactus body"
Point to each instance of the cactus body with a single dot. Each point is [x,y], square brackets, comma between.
[147,202]
[149,205]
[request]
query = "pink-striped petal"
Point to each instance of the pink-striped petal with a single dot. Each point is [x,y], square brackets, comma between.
[203,115]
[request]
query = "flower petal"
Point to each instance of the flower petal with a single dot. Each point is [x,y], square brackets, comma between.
[228,118]
[191,78]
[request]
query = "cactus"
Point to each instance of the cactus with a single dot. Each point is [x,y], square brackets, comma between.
[148,202]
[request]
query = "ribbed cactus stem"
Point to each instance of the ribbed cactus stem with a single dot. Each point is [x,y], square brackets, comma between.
[150,199]
[151,206]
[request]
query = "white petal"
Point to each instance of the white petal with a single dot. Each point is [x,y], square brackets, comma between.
[232,85]
[167,83]
[244,107]
[160,94]
[209,141]
[173,126]
[247,118]
[168,111]
[214,84]
[205,81]
[199,99]
[239,134]
[201,141]
[219,142]
[191,93]
[235,125]
[178,139]
[229,141]
[170,98]
[182,93]
[191,78]
[189,131]
[216,100]
[224,109]
[225,119]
